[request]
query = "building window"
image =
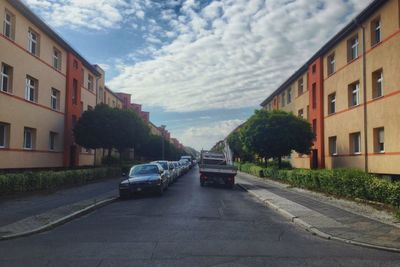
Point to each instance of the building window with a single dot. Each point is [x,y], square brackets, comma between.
[300,113]
[89,107]
[4,134]
[352,47]
[300,86]
[90,82]
[377,87]
[332,146]
[52,141]
[33,42]
[354,94]
[6,78]
[283,99]
[75,64]
[289,96]
[379,137]
[314,95]
[55,99]
[29,138]
[332,103]
[74,91]
[331,64]
[314,68]
[8,25]
[355,143]
[57,58]
[375,31]
[31,89]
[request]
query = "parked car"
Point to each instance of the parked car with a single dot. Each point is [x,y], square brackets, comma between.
[168,169]
[144,178]
[173,171]
[186,165]
[178,168]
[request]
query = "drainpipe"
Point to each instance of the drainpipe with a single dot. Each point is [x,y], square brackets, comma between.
[364,79]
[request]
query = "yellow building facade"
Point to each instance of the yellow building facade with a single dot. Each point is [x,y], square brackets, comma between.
[352,91]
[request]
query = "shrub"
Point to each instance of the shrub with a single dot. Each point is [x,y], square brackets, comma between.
[51,180]
[350,183]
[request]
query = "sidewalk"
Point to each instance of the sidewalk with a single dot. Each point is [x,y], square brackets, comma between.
[27,215]
[322,218]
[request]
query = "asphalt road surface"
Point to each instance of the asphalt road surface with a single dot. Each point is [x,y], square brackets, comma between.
[187,226]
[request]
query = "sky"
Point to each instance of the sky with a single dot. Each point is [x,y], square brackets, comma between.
[201,67]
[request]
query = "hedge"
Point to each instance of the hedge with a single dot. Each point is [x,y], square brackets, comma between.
[51,180]
[349,183]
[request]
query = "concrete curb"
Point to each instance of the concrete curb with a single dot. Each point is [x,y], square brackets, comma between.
[312,229]
[62,220]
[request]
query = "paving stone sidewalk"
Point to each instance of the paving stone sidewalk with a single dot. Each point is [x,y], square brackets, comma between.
[32,214]
[321,218]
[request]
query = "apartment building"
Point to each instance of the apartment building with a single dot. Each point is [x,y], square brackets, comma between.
[45,86]
[350,91]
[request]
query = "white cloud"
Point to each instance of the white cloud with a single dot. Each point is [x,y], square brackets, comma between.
[207,135]
[89,14]
[230,54]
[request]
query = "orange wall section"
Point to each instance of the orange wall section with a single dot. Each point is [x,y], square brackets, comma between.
[74,71]
[315,76]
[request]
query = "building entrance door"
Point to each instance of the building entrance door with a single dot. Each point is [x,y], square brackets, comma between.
[314,159]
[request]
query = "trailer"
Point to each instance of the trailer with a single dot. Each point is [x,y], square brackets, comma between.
[214,169]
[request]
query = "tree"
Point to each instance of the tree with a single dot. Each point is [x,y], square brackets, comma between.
[109,128]
[276,134]
[237,147]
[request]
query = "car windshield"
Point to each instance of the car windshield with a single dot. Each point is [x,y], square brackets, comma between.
[144,169]
[164,165]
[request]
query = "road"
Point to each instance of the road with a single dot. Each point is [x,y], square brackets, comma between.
[189,225]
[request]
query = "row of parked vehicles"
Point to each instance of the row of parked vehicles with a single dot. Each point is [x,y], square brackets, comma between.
[155,176]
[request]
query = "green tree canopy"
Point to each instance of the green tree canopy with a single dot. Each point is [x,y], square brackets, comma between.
[108,128]
[276,134]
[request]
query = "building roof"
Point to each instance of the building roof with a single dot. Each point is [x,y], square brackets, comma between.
[38,22]
[111,92]
[350,27]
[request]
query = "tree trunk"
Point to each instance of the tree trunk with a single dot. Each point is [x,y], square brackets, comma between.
[265,162]
[279,162]
[109,152]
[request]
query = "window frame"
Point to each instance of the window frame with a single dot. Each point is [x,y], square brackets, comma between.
[379,145]
[8,76]
[29,88]
[6,135]
[55,96]
[9,23]
[377,79]
[31,132]
[332,140]
[354,90]
[332,101]
[74,95]
[52,141]
[57,59]
[353,51]
[376,30]
[300,86]
[355,138]
[32,41]
[90,82]
[331,64]
[289,96]
[283,96]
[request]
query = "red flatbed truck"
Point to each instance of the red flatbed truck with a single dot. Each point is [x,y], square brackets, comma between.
[214,169]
